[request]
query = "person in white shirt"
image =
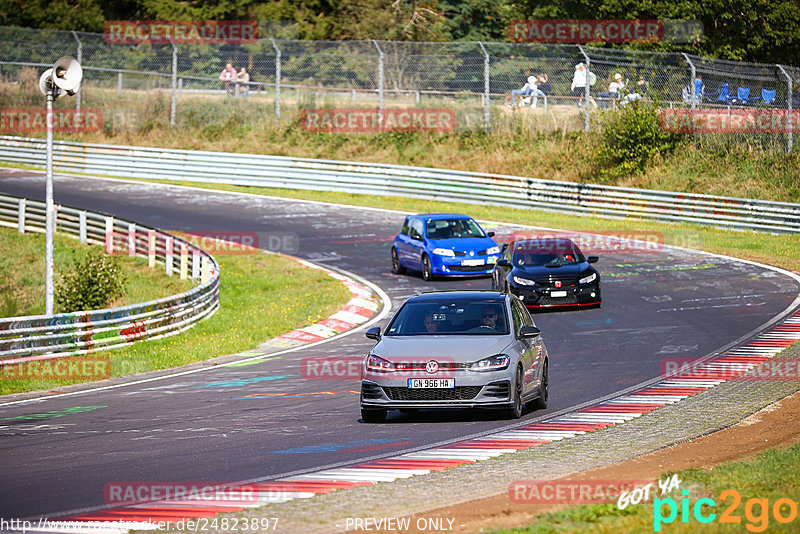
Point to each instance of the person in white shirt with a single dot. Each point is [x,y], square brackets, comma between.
[526,90]
[580,79]
[614,90]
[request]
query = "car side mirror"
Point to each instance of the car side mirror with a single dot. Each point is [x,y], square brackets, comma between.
[502,262]
[490,234]
[416,237]
[504,247]
[529,332]
[374,333]
[592,259]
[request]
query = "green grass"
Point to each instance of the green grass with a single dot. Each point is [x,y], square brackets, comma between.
[261,296]
[772,475]
[22,273]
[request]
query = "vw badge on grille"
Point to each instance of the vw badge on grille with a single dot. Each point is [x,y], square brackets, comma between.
[432,366]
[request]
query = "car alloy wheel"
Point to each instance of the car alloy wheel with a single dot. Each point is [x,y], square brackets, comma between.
[427,273]
[396,267]
[516,409]
[544,389]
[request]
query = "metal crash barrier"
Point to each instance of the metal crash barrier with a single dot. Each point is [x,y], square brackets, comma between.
[82,332]
[406,181]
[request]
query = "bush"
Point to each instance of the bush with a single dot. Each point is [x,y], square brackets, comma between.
[92,284]
[630,138]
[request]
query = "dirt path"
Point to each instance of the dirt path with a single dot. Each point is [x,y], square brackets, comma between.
[763,430]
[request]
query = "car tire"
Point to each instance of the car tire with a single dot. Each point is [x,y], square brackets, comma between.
[427,272]
[396,267]
[544,389]
[373,416]
[516,409]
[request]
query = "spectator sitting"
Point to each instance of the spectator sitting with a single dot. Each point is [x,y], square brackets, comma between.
[542,88]
[526,90]
[614,89]
[638,93]
[243,83]
[228,75]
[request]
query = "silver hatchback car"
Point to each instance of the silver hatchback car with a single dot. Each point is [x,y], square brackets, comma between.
[455,349]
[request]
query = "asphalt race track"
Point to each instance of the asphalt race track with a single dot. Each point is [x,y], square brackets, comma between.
[221,424]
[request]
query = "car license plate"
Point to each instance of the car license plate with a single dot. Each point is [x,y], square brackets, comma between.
[556,294]
[468,263]
[428,383]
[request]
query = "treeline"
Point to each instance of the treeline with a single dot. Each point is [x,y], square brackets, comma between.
[766,31]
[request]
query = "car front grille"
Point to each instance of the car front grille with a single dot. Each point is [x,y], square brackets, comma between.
[547,300]
[550,281]
[438,394]
[469,268]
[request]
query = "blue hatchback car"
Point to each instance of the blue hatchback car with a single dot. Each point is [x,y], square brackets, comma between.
[443,244]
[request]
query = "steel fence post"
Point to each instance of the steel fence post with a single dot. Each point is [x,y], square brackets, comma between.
[79,91]
[277,80]
[119,83]
[174,82]
[380,83]
[588,89]
[485,87]
[109,241]
[131,239]
[789,116]
[151,248]
[82,227]
[692,77]
[169,244]
[184,262]
[21,216]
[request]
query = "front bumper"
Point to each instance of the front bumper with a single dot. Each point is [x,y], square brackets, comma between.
[541,297]
[449,266]
[494,394]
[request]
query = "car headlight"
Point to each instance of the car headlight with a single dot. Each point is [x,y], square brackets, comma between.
[497,362]
[591,278]
[523,281]
[377,364]
[493,250]
[444,252]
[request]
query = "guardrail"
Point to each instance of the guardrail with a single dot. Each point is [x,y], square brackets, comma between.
[398,180]
[82,332]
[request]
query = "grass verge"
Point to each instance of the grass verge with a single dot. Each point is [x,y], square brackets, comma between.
[261,296]
[22,273]
[744,494]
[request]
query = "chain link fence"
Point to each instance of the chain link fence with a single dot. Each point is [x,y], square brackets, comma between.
[138,87]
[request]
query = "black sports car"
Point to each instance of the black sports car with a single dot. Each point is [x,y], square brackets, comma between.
[547,272]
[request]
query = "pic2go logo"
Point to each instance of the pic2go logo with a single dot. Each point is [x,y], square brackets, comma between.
[756,511]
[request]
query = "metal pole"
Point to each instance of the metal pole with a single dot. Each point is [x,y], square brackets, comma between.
[174,83]
[693,75]
[485,87]
[78,92]
[587,89]
[790,117]
[119,84]
[278,80]
[49,209]
[380,82]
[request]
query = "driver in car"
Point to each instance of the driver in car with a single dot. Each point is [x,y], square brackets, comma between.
[489,318]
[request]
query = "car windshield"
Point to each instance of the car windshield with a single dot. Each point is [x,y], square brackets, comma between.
[552,253]
[452,228]
[450,318]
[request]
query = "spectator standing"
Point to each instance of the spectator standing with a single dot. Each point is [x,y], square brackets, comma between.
[580,80]
[243,83]
[228,76]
